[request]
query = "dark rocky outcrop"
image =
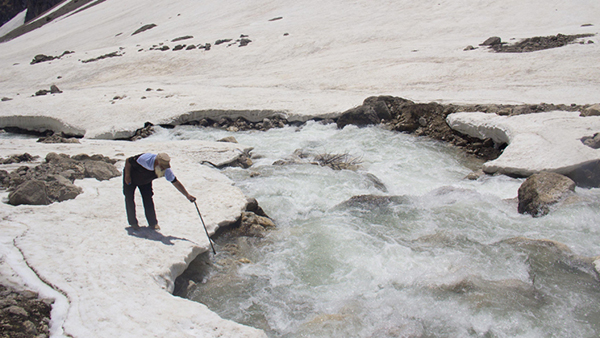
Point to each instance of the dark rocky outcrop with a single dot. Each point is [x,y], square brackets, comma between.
[542,190]
[26,157]
[58,138]
[44,58]
[533,44]
[102,57]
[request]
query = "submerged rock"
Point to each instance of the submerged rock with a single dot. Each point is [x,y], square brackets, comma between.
[372,201]
[542,190]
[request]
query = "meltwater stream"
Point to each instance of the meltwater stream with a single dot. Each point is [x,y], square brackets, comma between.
[448,257]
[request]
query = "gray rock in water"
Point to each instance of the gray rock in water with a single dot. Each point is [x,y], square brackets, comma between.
[372,201]
[31,192]
[593,110]
[359,116]
[542,190]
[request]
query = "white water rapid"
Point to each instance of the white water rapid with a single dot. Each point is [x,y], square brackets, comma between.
[449,257]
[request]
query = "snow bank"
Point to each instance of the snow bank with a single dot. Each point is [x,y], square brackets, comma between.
[536,142]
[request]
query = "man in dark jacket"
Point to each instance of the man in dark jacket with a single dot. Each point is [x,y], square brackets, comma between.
[139,172]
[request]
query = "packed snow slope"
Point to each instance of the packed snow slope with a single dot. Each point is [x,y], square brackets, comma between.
[304,58]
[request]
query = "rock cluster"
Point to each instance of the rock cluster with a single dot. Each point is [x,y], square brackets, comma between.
[52,181]
[144,132]
[533,44]
[241,42]
[101,57]
[23,314]
[241,124]
[44,58]
[253,222]
[26,157]
[53,90]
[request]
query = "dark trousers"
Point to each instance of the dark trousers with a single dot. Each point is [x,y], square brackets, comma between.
[146,191]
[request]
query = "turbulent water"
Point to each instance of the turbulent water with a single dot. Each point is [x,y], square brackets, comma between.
[448,257]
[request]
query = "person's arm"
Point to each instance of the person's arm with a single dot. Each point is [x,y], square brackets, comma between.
[127,172]
[182,190]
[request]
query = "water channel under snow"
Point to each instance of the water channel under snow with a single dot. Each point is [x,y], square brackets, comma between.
[441,260]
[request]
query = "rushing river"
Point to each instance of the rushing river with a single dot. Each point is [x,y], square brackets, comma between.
[449,257]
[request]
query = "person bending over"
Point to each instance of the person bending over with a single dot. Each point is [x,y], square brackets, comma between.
[139,172]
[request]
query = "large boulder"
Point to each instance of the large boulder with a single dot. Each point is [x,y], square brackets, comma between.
[359,116]
[100,170]
[61,189]
[542,190]
[31,192]
[593,110]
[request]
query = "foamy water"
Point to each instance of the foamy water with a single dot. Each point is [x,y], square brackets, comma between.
[441,260]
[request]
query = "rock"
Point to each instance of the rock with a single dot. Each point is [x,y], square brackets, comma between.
[244,42]
[59,188]
[31,192]
[100,170]
[380,106]
[187,37]
[475,175]
[492,41]
[360,116]
[253,225]
[377,183]
[54,89]
[144,28]
[17,310]
[592,141]
[56,138]
[542,190]
[372,201]
[25,157]
[253,206]
[229,139]
[593,110]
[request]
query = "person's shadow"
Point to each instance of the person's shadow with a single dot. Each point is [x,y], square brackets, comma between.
[153,235]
